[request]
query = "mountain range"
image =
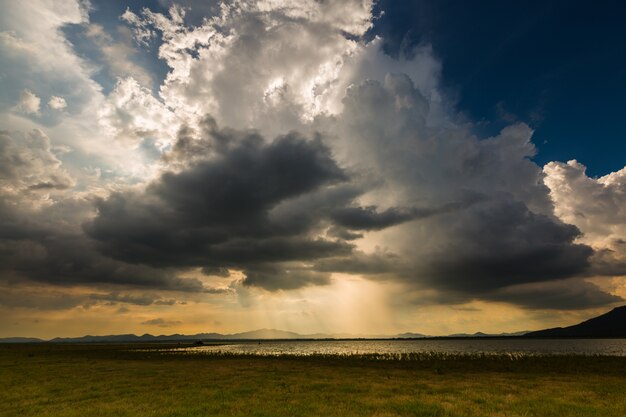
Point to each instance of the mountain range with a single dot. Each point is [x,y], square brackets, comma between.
[611,324]
[261,334]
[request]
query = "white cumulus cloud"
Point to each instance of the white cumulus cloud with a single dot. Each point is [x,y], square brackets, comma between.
[29,102]
[597,206]
[57,103]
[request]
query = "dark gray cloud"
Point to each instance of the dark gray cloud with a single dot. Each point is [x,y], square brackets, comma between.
[39,300]
[218,271]
[136,299]
[488,221]
[344,234]
[161,322]
[609,262]
[245,204]
[280,276]
[377,263]
[71,259]
[501,251]
[284,213]
[571,294]
[216,212]
[368,218]
[54,298]
[36,245]
[501,243]
[495,250]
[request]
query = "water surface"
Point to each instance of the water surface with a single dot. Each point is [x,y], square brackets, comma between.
[612,347]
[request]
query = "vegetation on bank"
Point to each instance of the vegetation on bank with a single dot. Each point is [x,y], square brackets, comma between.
[146,380]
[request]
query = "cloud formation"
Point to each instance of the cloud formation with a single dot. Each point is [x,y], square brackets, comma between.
[29,102]
[216,211]
[50,298]
[37,59]
[494,225]
[40,241]
[162,322]
[277,63]
[282,150]
[27,164]
[597,206]
[57,103]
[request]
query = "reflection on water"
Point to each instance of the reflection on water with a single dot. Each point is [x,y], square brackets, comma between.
[613,347]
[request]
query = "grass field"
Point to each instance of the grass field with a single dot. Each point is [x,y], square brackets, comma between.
[135,380]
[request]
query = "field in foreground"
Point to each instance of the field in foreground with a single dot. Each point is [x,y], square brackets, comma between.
[122,380]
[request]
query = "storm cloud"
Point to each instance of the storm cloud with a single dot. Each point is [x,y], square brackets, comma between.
[40,241]
[241,207]
[215,212]
[502,243]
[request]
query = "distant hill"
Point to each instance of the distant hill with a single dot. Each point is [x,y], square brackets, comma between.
[125,338]
[409,336]
[122,338]
[252,335]
[273,334]
[481,334]
[611,324]
[20,340]
[261,334]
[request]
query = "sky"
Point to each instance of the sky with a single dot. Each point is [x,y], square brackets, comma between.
[329,166]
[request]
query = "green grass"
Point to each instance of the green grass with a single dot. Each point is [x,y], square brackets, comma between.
[121,380]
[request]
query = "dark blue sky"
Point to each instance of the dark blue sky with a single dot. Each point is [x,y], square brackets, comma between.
[557,65]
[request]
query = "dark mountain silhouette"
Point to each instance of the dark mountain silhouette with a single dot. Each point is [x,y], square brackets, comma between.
[407,335]
[125,338]
[253,335]
[20,340]
[261,334]
[481,334]
[611,324]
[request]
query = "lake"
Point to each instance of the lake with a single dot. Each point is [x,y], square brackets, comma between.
[612,347]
